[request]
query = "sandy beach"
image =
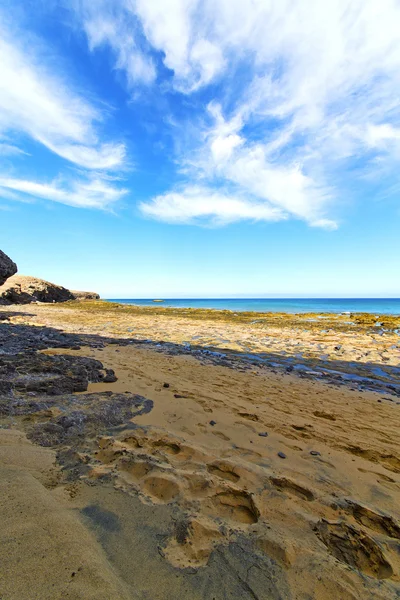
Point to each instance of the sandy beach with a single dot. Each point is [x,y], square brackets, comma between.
[203,456]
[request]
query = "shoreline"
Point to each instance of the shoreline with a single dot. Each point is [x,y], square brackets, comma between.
[271,305]
[136,303]
[193,469]
[332,348]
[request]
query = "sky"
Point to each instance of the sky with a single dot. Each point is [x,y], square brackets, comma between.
[202,148]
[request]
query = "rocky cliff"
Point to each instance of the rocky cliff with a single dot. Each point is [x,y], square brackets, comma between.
[7,267]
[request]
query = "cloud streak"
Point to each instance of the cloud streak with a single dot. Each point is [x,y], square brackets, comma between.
[91,193]
[37,102]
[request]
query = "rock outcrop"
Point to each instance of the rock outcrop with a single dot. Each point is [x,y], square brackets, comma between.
[85,295]
[7,267]
[20,289]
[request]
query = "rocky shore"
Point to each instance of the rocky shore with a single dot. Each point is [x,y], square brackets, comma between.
[145,454]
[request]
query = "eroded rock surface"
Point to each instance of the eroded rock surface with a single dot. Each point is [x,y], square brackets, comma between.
[21,289]
[78,295]
[7,267]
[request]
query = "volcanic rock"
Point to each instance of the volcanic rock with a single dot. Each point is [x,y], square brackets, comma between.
[7,267]
[85,295]
[20,289]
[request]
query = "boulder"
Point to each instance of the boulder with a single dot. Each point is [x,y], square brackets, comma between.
[7,267]
[85,295]
[20,289]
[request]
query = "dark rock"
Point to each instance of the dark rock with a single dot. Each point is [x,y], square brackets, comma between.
[281,455]
[88,415]
[315,453]
[7,267]
[212,423]
[47,434]
[49,375]
[84,295]
[166,385]
[110,376]
[263,434]
[20,289]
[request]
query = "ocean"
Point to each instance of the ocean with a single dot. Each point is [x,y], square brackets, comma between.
[289,305]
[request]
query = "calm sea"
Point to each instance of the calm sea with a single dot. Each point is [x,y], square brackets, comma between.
[290,305]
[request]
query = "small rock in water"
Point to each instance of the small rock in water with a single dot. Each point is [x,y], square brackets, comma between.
[281,455]
[166,385]
[212,423]
[315,453]
[263,434]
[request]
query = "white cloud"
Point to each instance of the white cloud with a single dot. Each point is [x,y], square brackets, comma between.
[93,193]
[198,204]
[10,149]
[107,24]
[380,135]
[304,89]
[300,91]
[36,101]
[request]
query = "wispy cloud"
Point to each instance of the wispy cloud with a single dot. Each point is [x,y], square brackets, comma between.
[94,192]
[114,25]
[304,90]
[10,149]
[200,205]
[38,102]
[35,100]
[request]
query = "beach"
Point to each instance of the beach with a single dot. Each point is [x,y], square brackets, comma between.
[199,454]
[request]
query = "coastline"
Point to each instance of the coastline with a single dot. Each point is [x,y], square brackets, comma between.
[226,468]
[341,349]
[287,305]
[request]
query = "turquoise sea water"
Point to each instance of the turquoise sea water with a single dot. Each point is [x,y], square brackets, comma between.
[290,305]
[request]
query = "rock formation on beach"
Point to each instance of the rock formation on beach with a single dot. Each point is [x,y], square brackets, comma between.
[20,289]
[7,267]
[85,295]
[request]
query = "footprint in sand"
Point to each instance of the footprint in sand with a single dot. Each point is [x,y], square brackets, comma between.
[249,416]
[324,415]
[160,488]
[234,505]
[224,471]
[292,488]
[379,522]
[388,461]
[381,476]
[354,548]
[221,435]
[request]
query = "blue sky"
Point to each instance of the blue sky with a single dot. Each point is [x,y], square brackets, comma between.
[193,148]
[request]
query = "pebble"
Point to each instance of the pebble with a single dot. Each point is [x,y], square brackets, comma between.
[212,423]
[166,385]
[263,434]
[281,455]
[315,453]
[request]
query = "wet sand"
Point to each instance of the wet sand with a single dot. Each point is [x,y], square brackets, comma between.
[243,481]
